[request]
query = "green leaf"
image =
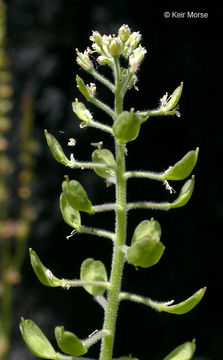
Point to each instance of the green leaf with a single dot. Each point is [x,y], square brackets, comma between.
[182,352]
[126,127]
[92,270]
[70,215]
[146,248]
[82,112]
[76,196]
[104,156]
[44,275]
[185,194]
[69,343]
[36,341]
[183,167]
[184,306]
[56,149]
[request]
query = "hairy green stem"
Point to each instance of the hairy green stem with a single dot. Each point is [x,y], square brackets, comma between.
[118,256]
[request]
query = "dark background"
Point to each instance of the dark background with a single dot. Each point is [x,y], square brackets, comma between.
[42,38]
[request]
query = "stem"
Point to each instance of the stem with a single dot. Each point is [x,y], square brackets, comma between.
[102,79]
[144,174]
[118,256]
[148,205]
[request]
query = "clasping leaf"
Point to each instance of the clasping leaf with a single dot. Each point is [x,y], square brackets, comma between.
[182,352]
[92,270]
[36,341]
[69,343]
[146,248]
[183,167]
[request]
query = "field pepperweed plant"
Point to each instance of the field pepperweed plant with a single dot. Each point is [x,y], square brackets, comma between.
[145,249]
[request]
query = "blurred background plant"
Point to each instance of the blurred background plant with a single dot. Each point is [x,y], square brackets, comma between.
[16,177]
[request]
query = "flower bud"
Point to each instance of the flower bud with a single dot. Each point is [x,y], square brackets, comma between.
[44,275]
[96,38]
[69,343]
[103,60]
[36,341]
[124,33]
[76,196]
[56,149]
[146,248]
[83,60]
[126,127]
[104,156]
[131,43]
[182,352]
[183,168]
[92,270]
[115,47]
[136,58]
[70,215]
[82,112]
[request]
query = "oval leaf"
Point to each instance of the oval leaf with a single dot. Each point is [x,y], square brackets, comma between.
[56,149]
[77,196]
[185,194]
[184,306]
[93,271]
[182,352]
[104,156]
[145,252]
[44,275]
[69,343]
[183,167]
[36,341]
[70,215]
[126,127]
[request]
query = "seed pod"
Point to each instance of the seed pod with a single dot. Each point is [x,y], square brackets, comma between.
[36,341]
[82,112]
[174,99]
[146,248]
[56,149]
[126,127]
[77,196]
[44,275]
[182,307]
[182,352]
[185,194]
[104,156]
[70,215]
[82,87]
[93,271]
[183,167]
[69,343]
